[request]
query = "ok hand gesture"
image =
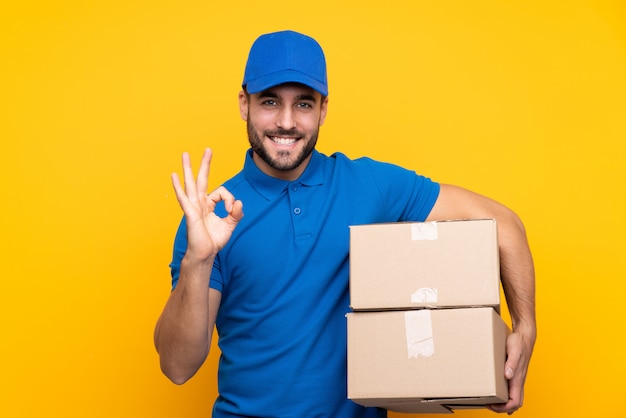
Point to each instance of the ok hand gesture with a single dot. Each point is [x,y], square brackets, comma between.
[207,233]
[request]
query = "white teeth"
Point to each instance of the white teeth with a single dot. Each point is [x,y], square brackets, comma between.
[283,141]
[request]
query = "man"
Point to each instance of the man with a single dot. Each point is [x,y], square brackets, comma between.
[275,282]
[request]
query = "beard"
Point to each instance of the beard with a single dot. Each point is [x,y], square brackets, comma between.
[284,160]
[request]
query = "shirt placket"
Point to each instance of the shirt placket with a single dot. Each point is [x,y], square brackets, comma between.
[298,209]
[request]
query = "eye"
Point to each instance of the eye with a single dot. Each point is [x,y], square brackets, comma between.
[269,102]
[304,105]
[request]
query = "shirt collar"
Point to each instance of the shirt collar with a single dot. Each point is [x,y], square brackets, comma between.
[270,187]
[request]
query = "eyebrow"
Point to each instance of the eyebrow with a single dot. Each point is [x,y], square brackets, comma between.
[272,95]
[268,93]
[309,97]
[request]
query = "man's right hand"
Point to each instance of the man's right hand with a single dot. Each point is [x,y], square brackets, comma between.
[207,233]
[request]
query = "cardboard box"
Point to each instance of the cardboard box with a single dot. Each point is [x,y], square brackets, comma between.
[427,360]
[424,264]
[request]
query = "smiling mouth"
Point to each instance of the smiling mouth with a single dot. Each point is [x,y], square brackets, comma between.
[285,141]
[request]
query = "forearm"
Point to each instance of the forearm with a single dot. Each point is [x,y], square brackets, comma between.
[183,332]
[518,276]
[518,281]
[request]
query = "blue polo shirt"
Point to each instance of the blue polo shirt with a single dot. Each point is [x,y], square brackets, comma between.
[284,282]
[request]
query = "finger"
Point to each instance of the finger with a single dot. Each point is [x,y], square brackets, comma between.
[202,183]
[232,206]
[178,188]
[510,407]
[516,393]
[235,215]
[183,201]
[190,184]
[222,194]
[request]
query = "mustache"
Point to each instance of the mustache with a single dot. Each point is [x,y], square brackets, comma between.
[285,132]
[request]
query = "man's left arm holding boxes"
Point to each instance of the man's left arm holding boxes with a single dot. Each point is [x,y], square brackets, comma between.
[517,275]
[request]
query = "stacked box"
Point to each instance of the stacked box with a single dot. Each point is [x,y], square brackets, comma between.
[425,334]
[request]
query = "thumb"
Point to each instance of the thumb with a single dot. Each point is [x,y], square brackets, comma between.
[509,372]
[513,356]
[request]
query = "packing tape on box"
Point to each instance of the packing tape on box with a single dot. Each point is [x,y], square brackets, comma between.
[424,295]
[424,231]
[419,333]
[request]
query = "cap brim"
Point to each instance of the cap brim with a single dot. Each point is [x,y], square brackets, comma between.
[282,77]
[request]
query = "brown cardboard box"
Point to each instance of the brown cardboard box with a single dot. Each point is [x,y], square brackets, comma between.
[428,264]
[427,360]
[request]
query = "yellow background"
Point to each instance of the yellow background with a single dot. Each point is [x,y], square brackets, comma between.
[524,101]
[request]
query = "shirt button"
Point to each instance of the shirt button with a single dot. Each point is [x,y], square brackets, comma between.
[297,211]
[294,188]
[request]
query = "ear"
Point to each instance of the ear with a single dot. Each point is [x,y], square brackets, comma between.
[323,110]
[243,105]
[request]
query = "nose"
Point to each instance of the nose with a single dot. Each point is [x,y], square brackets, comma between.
[286,118]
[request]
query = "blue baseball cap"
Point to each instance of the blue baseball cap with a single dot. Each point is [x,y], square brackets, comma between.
[285,57]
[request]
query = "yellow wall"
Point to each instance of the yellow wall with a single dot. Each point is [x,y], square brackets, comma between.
[520,100]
